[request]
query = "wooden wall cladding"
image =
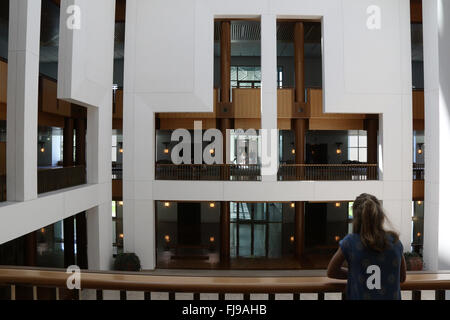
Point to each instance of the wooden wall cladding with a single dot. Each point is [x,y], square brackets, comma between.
[418,105]
[418,190]
[117,194]
[48,101]
[284,124]
[246,124]
[416,11]
[247,103]
[285,101]
[118,110]
[336,124]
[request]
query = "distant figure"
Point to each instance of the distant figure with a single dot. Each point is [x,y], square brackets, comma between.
[376,265]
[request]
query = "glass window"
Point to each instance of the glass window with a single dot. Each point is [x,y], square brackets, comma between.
[357,146]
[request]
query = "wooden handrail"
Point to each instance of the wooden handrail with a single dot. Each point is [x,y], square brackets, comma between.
[207,284]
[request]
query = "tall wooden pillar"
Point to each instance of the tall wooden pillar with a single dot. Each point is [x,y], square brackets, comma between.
[69,235]
[68,142]
[372,140]
[299,60]
[224,232]
[80,153]
[299,126]
[225,61]
[81,231]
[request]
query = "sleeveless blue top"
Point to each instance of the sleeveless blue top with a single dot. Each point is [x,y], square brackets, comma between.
[372,275]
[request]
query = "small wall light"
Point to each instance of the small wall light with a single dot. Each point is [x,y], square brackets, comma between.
[42,146]
[292,204]
[120,147]
[293,151]
[292,239]
[212,151]
[338,204]
[212,205]
[339,148]
[212,239]
[121,236]
[420,148]
[419,203]
[337,238]
[419,234]
[167,238]
[167,204]
[120,203]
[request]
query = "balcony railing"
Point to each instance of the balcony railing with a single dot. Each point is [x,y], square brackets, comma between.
[232,172]
[140,282]
[117,171]
[419,171]
[52,179]
[328,172]
[237,172]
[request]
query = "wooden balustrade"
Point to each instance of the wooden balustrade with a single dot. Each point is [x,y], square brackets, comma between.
[237,172]
[52,179]
[147,283]
[328,172]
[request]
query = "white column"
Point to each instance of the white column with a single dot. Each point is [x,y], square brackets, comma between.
[269,97]
[98,151]
[22,106]
[138,177]
[436,33]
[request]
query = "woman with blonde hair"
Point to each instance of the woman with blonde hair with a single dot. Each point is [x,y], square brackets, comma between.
[374,255]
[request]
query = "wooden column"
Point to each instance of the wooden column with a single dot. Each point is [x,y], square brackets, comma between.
[80,153]
[68,143]
[299,126]
[225,233]
[225,61]
[299,229]
[69,235]
[299,58]
[81,231]
[372,141]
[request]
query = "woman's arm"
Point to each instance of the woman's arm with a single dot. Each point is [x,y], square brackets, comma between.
[403,270]
[335,269]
